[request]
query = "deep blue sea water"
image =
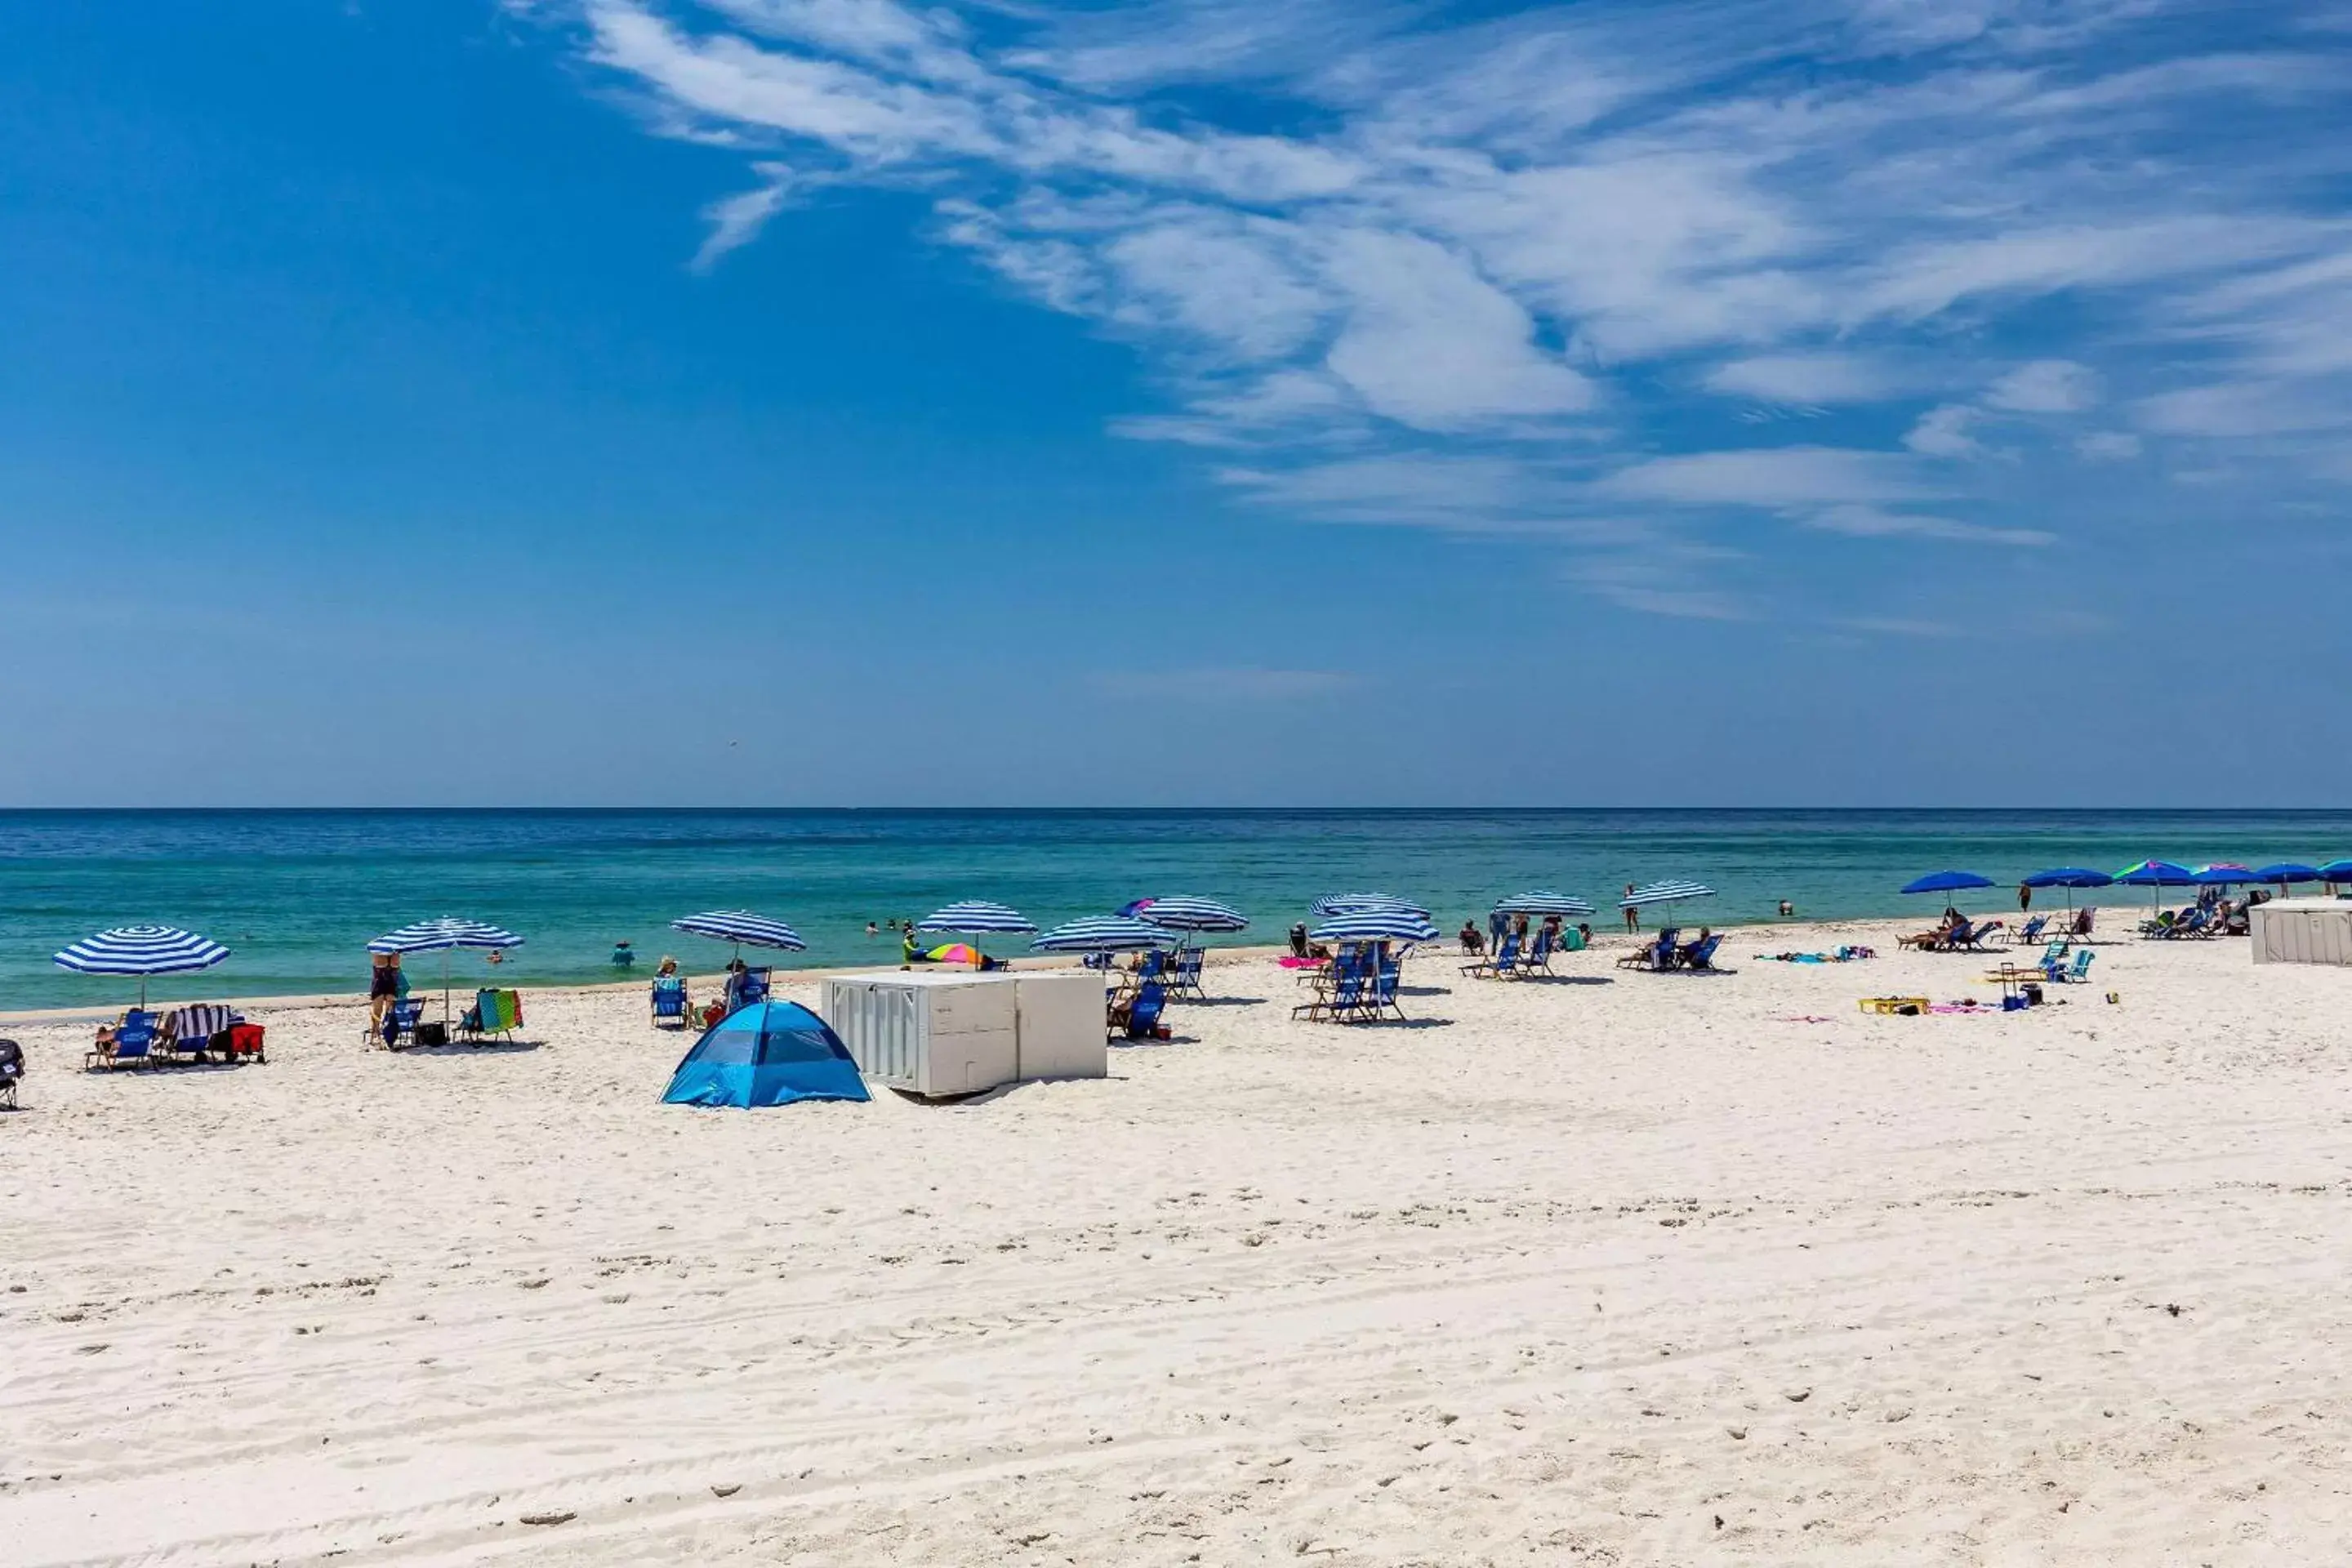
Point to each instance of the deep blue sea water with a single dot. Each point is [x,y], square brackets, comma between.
[297,894]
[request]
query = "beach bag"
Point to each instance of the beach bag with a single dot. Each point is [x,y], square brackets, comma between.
[432,1033]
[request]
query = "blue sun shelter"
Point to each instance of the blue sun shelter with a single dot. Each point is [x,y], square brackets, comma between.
[771,1053]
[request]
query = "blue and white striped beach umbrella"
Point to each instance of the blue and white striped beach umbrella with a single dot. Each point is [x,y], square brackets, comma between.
[141,950]
[1187,914]
[1542,901]
[1362,903]
[742,928]
[441,936]
[1102,933]
[1664,893]
[976,917]
[1396,924]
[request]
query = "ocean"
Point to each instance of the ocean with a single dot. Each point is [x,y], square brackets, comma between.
[297,894]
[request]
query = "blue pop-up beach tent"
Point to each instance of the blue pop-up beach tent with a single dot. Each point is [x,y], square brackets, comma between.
[770,1053]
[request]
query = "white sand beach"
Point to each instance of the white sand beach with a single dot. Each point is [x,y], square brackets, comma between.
[1614,1269]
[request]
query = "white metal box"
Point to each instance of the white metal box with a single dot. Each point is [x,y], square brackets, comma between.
[1060,1024]
[931,1034]
[2301,930]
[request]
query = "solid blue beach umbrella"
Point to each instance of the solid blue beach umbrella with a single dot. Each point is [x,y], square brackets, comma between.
[2224,874]
[2070,878]
[1947,882]
[141,950]
[770,1053]
[2283,872]
[2334,871]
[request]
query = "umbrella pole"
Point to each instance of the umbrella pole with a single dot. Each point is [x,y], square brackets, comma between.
[445,988]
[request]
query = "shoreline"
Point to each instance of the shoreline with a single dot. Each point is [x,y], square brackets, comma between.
[305,1001]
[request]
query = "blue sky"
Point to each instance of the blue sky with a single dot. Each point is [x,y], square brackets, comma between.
[1290,401]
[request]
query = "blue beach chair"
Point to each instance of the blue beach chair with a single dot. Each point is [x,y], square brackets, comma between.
[399,1020]
[1658,955]
[1140,1018]
[134,1040]
[669,1002]
[1184,984]
[1499,965]
[1700,956]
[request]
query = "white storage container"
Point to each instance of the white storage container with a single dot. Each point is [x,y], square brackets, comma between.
[2301,930]
[930,1034]
[1060,1024]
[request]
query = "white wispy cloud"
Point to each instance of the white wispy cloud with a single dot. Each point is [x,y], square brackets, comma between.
[1489,274]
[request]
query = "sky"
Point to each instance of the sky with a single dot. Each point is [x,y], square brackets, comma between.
[1210,401]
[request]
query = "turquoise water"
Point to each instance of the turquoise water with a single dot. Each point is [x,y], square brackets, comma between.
[296,894]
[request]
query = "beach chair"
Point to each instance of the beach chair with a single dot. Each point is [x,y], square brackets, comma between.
[2031,931]
[2060,972]
[1659,954]
[1382,996]
[747,987]
[399,1020]
[1499,965]
[669,1002]
[1344,995]
[1975,937]
[1700,956]
[1540,951]
[245,1042]
[1138,1018]
[134,1039]
[11,1069]
[188,1032]
[498,1013]
[1184,984]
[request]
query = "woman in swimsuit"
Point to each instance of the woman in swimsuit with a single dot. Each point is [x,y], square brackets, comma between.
[383,987]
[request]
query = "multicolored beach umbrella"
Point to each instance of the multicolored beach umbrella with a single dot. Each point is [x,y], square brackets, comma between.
[1102,933]
[141,950]
[1362,903]
[1397,924]
[1542,901]
[742,928]
[443,936]
[1187,914]
[1666,893]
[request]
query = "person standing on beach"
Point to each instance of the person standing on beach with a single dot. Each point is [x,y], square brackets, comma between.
[1633,915]
[2025,898]
[383,987]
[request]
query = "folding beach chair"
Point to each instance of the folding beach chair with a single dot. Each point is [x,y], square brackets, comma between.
[669,1002]
[1700,956]
[1382,997]
[1499,965]
[2030,932]
[747,988]
[400,1019]
[1138,1018]
[134,1038]
[2064,974]
[1185,984]
[1344,996]
[190,1031]
[498,1013]
[1538,954]
[1658,955]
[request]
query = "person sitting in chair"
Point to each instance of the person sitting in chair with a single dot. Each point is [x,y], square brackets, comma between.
[1687,955]
[1473,941]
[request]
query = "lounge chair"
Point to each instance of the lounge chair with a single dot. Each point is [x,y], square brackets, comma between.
[400,1019]
[669,1002]
[1973,937]
[1700,956]
[1540,951]
[498,1013]
[190,1031]
[1503,963]
[12,1069]
[2058,972]
[1345,996]
[2030,932]
[1658,955]
[133,1041]
[1382,997]
[746,987]
[1138,1018]
[1185,984]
